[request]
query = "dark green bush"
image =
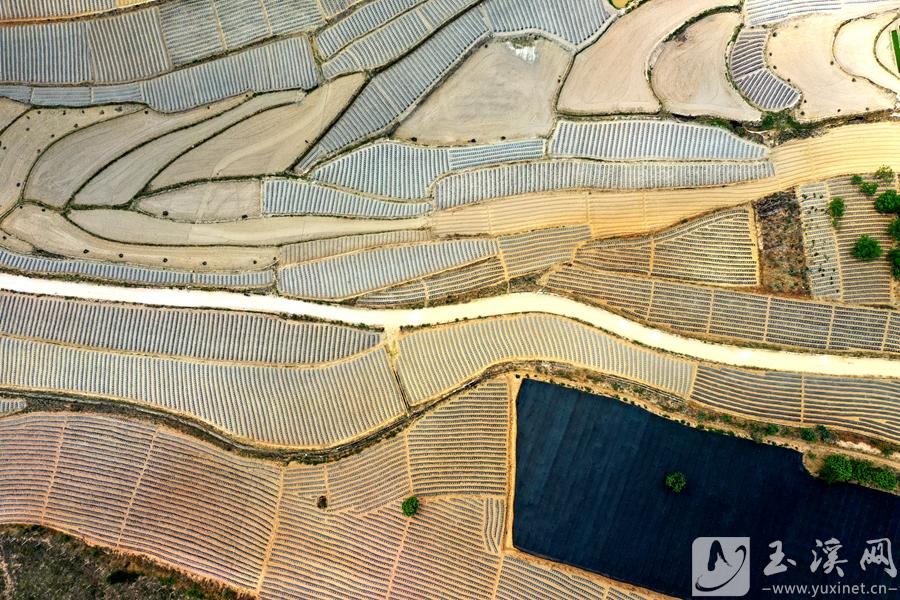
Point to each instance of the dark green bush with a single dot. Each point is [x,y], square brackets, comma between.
[888,202]
[894,229]
[676,481]
[894,259]
[823,433]
[836,207]
[410,506]
[867,188]
[808,434]
[866,248]
[837,469]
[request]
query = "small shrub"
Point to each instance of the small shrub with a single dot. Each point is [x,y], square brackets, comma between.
[836,209]
[410,506]
[840,468]
[894,229]
[868,188]
[808,434]
[888,202]
[676,481]
[885,479]
[856,180]
[823,433]
[771,429]
[866,248]
[837,469]
[894,259]
[885,174]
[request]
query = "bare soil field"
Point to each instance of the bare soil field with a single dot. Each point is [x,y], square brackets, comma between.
[267,143]
[610,76]
[690,74]
[855,49]
[801,52]
[212,201]
[506,89]
[51,232]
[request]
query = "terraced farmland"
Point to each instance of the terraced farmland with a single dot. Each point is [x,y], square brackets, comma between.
[271,271]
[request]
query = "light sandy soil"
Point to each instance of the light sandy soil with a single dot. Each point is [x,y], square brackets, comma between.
[267,143]
[11,242]
[9,110]
[884,48]
[207,202]
[134,228]
[505,89]
[850,149]
[776,360]
[123,179]
[24,140]
[854,50]
[52,233]
[690,74]
[801,53]
[70,162]
[610,76]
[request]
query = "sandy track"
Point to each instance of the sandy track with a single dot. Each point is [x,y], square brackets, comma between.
[610,76]
[844,150]
[689,76]
[487,307]
[135,228]
[211,201]
[801,52]
[518,103]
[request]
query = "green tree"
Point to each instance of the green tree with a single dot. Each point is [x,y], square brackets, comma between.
[676,481]
[888,202]
[866,248]
[894,259]
[894,229]
[885,479]
[823,433]
[837,468]
[836,210]
[808,434]
[410,506]
[856,180]
[885,174]
[868,188]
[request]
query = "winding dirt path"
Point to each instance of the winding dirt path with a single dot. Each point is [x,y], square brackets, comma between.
[391,320]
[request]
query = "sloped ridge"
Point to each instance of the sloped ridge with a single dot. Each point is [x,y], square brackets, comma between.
[646,139]
[752,75]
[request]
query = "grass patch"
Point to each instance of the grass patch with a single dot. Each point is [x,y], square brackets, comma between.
[895,41]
